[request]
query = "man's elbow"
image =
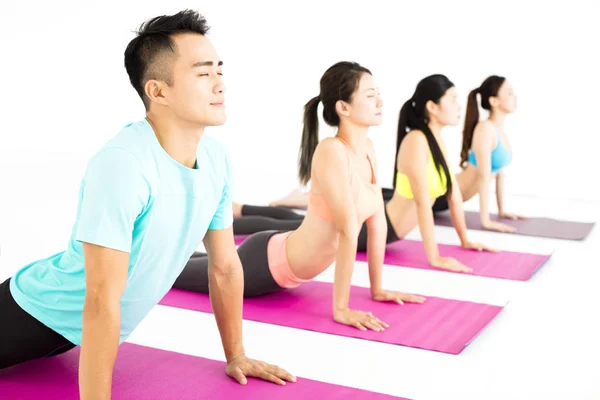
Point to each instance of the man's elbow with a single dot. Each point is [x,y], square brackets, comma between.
[224,267]
[100,300]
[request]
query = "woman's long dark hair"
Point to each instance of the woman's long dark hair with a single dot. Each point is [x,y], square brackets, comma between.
[339,82]
[413,116]
[489,88]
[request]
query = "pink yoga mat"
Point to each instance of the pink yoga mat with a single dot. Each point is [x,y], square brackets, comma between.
[152,374]
[438,324]
[505,264]
[540,227]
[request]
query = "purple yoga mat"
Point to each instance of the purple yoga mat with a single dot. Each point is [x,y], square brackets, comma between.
[505,264]
[153,374]
[540,227]
[438,324]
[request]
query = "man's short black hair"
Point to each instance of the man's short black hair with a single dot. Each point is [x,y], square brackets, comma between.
[147,56]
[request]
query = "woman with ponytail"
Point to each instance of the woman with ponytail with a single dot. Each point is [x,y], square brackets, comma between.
[486,150]
[344,195]
[421,172]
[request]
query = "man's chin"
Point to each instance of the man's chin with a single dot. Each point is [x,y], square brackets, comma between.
[217,121]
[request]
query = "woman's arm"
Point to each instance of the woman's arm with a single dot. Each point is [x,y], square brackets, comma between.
[500,192]
[413,159]
[376,236]
[330,169]
[457,214]
[500,199]
[376,241]
[483,144]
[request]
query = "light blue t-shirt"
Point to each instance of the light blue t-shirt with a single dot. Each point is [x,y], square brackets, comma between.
[135,198]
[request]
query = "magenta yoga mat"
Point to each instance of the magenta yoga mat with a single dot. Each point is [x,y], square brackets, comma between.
[153,374]
[442,325]
[505,264]
[535,226]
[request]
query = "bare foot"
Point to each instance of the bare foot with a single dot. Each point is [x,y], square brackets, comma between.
[237,210]
[296,199]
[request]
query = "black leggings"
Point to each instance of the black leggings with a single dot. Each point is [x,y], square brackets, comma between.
[253,254]
[22,337]
[257,219]
[441,204]
[391,233]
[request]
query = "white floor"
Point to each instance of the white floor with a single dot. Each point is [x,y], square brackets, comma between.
[545,344]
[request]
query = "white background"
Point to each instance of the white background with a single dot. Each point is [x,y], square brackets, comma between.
[65,93]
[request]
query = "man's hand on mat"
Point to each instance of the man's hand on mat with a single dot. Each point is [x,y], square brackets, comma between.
[398,297]
[498,226]
[451,264]
[242,367]
[359,319]
[514,217]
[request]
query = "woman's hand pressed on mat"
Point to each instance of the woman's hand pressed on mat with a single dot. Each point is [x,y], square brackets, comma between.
[242,367]
[398,297]
[498,226]
[450,264]
[477,246]
[359,319]
[512,216]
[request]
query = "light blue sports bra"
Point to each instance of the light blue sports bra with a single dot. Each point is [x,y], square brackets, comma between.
[501,157]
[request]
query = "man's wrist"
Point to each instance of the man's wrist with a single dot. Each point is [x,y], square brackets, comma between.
[235,353]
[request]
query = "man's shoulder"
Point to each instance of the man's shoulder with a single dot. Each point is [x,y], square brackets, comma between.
[131,142]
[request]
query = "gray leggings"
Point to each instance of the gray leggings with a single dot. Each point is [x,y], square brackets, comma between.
[253,254]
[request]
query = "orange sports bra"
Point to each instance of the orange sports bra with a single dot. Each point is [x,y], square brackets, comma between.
[367,195]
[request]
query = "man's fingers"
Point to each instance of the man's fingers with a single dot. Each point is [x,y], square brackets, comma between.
[281,373]
[267,376]
[239,376]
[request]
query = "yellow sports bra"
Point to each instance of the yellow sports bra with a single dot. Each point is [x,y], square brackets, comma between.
[435,181]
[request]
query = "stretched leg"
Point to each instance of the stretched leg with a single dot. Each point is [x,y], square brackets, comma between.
[22,337]
[253,224]
[269,211]
[253,255]
[295,199]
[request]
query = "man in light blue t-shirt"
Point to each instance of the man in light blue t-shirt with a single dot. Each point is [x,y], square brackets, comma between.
[148,198]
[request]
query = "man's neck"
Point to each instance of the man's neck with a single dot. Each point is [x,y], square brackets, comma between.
[179,140]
